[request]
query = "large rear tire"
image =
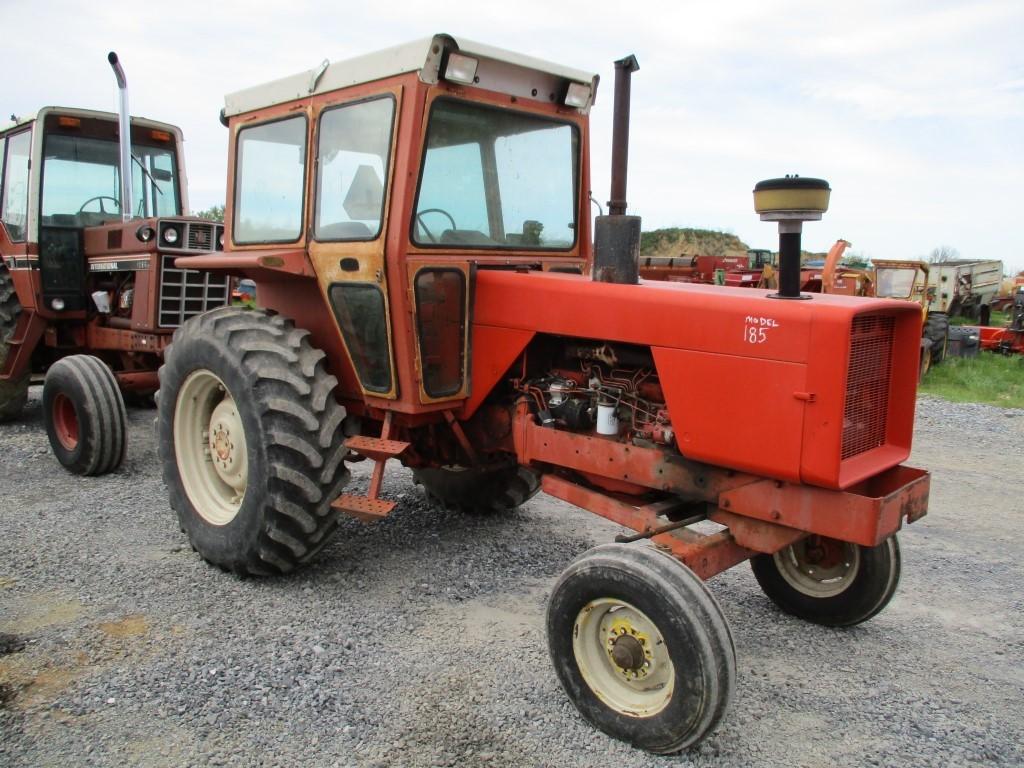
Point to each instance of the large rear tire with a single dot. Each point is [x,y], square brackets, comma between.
[13,393]
[84,415]
[641,647]
[473,491]
[830,582]
[250,440]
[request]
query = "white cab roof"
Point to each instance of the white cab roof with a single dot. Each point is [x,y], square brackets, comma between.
[423,56]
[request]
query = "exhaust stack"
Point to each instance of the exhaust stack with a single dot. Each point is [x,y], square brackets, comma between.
[125,130]
[617,236]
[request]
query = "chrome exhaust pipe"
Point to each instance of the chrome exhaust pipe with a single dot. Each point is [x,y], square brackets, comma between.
[124,121]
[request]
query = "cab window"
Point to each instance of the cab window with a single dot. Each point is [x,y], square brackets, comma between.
[15,186]
[496,178]
[270,176]
[352,167]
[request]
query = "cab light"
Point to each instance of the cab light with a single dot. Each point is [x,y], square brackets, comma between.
[160,135]
[69,122]
[461,69]
[578,95]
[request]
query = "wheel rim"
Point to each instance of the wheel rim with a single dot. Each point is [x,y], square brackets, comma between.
[819,567]
[211,448]
[623,657]
[65,421]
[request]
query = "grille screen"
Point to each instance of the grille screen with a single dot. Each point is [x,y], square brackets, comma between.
[867,384]
[185,293]
[199,236]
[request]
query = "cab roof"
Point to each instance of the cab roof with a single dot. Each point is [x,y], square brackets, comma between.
[522,76]
[90,114]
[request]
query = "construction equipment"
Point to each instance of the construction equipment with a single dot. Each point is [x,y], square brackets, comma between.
[1010,339]
[959,288]
[910,281]
[89,294]
[432,296]
[833,277]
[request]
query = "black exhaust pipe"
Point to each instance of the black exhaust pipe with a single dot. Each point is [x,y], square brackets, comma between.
[617,236]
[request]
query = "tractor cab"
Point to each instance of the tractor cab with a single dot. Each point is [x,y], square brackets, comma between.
[62,179]
[906,280]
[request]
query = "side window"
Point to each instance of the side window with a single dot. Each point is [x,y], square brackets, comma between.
[15,190]
[441,322]
[360,310]
[354,144]
[270,180]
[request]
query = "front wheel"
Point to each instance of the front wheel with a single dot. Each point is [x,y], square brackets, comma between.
[84,415]
[641,647]
[250,440]
[830,582]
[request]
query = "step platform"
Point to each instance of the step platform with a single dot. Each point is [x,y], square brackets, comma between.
[376,448]
[363,507]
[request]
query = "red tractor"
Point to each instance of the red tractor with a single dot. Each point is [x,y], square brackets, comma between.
[89,293]
[417,224]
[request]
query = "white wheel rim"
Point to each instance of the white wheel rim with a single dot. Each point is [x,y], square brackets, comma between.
[210,446]
[608,632]
[814,575]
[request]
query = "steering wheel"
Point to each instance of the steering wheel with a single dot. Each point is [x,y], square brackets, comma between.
[101,198]
[426,230]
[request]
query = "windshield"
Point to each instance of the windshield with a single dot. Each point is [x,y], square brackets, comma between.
[895,283]
[493,178]
[82,181]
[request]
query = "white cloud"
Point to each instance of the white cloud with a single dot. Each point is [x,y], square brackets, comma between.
[913,111]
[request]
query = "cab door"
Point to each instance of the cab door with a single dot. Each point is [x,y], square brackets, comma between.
[354,155]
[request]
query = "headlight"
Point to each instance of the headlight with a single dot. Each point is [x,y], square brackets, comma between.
[171,235]
[220,241]
[145,233]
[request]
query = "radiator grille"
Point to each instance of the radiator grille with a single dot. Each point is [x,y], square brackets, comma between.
[866,410]
[185,293]
[199,236]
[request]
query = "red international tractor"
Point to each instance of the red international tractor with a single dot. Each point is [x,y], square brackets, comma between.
[417,224]
[89,293]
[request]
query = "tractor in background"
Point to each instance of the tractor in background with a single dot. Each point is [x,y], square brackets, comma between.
[417,223]
[90,225]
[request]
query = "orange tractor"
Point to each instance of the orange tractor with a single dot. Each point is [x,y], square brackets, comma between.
[417,224]
[90,227]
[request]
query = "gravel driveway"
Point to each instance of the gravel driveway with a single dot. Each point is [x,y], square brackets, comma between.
[420,641]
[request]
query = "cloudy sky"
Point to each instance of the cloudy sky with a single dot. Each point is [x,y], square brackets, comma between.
[913,111]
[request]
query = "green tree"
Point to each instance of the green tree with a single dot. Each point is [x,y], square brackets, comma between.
[213,213]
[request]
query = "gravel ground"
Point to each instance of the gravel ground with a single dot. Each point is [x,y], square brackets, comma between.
[420,641]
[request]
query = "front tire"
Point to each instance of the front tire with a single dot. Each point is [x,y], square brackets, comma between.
[641,647]
[830,582]
[250,440]
[84,415]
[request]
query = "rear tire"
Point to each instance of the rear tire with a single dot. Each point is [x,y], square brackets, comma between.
[84,415]
[641,647]
[474,491]
[13,393]
[846,585]
[250,440]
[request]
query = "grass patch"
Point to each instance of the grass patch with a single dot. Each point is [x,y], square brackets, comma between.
[988,378]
